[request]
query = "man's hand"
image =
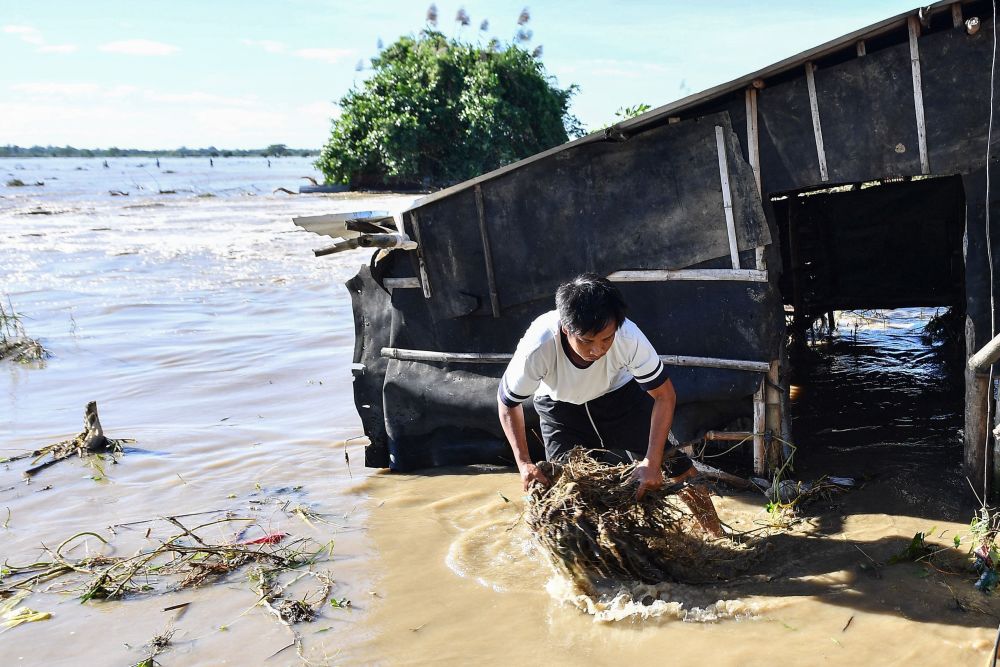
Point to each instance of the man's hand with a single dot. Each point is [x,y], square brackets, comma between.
[531,473]
[649,477]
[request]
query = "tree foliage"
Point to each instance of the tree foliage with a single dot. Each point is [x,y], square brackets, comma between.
[437,110]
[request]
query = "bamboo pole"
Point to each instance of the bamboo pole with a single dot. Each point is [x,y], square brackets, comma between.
[749,275]
[753,145]
[502,358]
[487,252]
[772,416]
[976,454]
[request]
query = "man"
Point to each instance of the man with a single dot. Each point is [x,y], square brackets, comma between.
[598,384]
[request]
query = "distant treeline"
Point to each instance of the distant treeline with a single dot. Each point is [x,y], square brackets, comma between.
[274,150]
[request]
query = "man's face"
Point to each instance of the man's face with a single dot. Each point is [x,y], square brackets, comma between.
[593,345]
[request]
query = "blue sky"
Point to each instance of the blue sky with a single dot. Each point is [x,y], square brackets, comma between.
[242,74]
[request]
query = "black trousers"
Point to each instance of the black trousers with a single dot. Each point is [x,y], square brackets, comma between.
[615,426]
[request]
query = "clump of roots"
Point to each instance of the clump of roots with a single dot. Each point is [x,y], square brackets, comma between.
[596,532]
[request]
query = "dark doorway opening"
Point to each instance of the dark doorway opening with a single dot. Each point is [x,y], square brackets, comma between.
[873,286]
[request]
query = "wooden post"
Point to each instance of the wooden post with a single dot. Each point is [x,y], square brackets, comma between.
[772,416]
[817,126]
[957,20]
[913,23]
[760,462]
[976,419]
[727,196]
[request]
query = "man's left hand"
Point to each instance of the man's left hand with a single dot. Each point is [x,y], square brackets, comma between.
[649,477]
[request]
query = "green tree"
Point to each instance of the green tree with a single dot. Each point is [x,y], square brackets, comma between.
[437,110]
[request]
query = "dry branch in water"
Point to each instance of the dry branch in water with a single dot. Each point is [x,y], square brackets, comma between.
[594,530]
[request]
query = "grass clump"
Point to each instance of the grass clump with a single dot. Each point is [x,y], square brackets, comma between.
[15,344]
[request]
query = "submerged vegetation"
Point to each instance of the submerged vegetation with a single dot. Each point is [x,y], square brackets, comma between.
[15,344]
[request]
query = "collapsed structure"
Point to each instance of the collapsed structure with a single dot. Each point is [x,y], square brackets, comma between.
[854,175]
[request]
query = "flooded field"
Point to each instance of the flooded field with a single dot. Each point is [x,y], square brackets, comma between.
[208,333]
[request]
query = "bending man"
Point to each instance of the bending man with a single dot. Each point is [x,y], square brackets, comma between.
[598,384]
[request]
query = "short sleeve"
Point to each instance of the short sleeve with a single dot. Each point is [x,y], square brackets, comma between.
[645,364]
[523,375]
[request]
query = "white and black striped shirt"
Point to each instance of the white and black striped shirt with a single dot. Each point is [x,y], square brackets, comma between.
[541,366]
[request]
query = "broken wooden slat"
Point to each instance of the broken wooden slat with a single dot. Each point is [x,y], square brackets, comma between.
[727,197]
[861,49]
[913,23]
[502,358]
[656,276]
[424,282]
[397,283]
[753,143]
[487,252]
[817,126]
[760,259]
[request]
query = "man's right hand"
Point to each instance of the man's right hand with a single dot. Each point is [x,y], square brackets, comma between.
[532,473]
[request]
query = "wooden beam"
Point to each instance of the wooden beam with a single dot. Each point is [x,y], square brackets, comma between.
[760,466]
[913,24]
[860,48]
[727,436]
[957,20]
[760,259]
[665,275]
[817,126]
[424,282]
[398,283]
[727,196]
[502,358]
[487,252]
[753,143]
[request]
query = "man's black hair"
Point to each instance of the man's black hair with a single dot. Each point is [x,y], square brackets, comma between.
[588,303]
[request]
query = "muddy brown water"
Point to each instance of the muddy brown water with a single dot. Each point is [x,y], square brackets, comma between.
[206,330]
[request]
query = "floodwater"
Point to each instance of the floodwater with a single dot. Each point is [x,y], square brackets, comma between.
[206,331]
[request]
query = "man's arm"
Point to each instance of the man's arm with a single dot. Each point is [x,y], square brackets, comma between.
[512,421]
[649,471]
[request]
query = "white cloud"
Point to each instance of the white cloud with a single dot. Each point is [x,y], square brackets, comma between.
[33,36]
[330,56]
[267,44]
[198,98]
[57,48]
[26,33]
[56,89]
[139,47]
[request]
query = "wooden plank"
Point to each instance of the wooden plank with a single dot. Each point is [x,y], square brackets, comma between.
[913,23]
[424,282]
[502,358]
[985,357]
[957,20]
[665,275]
[759,427]
[860,48]
[753,140]
[727,196]
[401,283]
[817,126]
[772,416]
[487,253]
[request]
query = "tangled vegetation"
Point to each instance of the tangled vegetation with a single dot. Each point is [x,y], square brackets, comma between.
[595,531]
[437,110]
[15,344]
